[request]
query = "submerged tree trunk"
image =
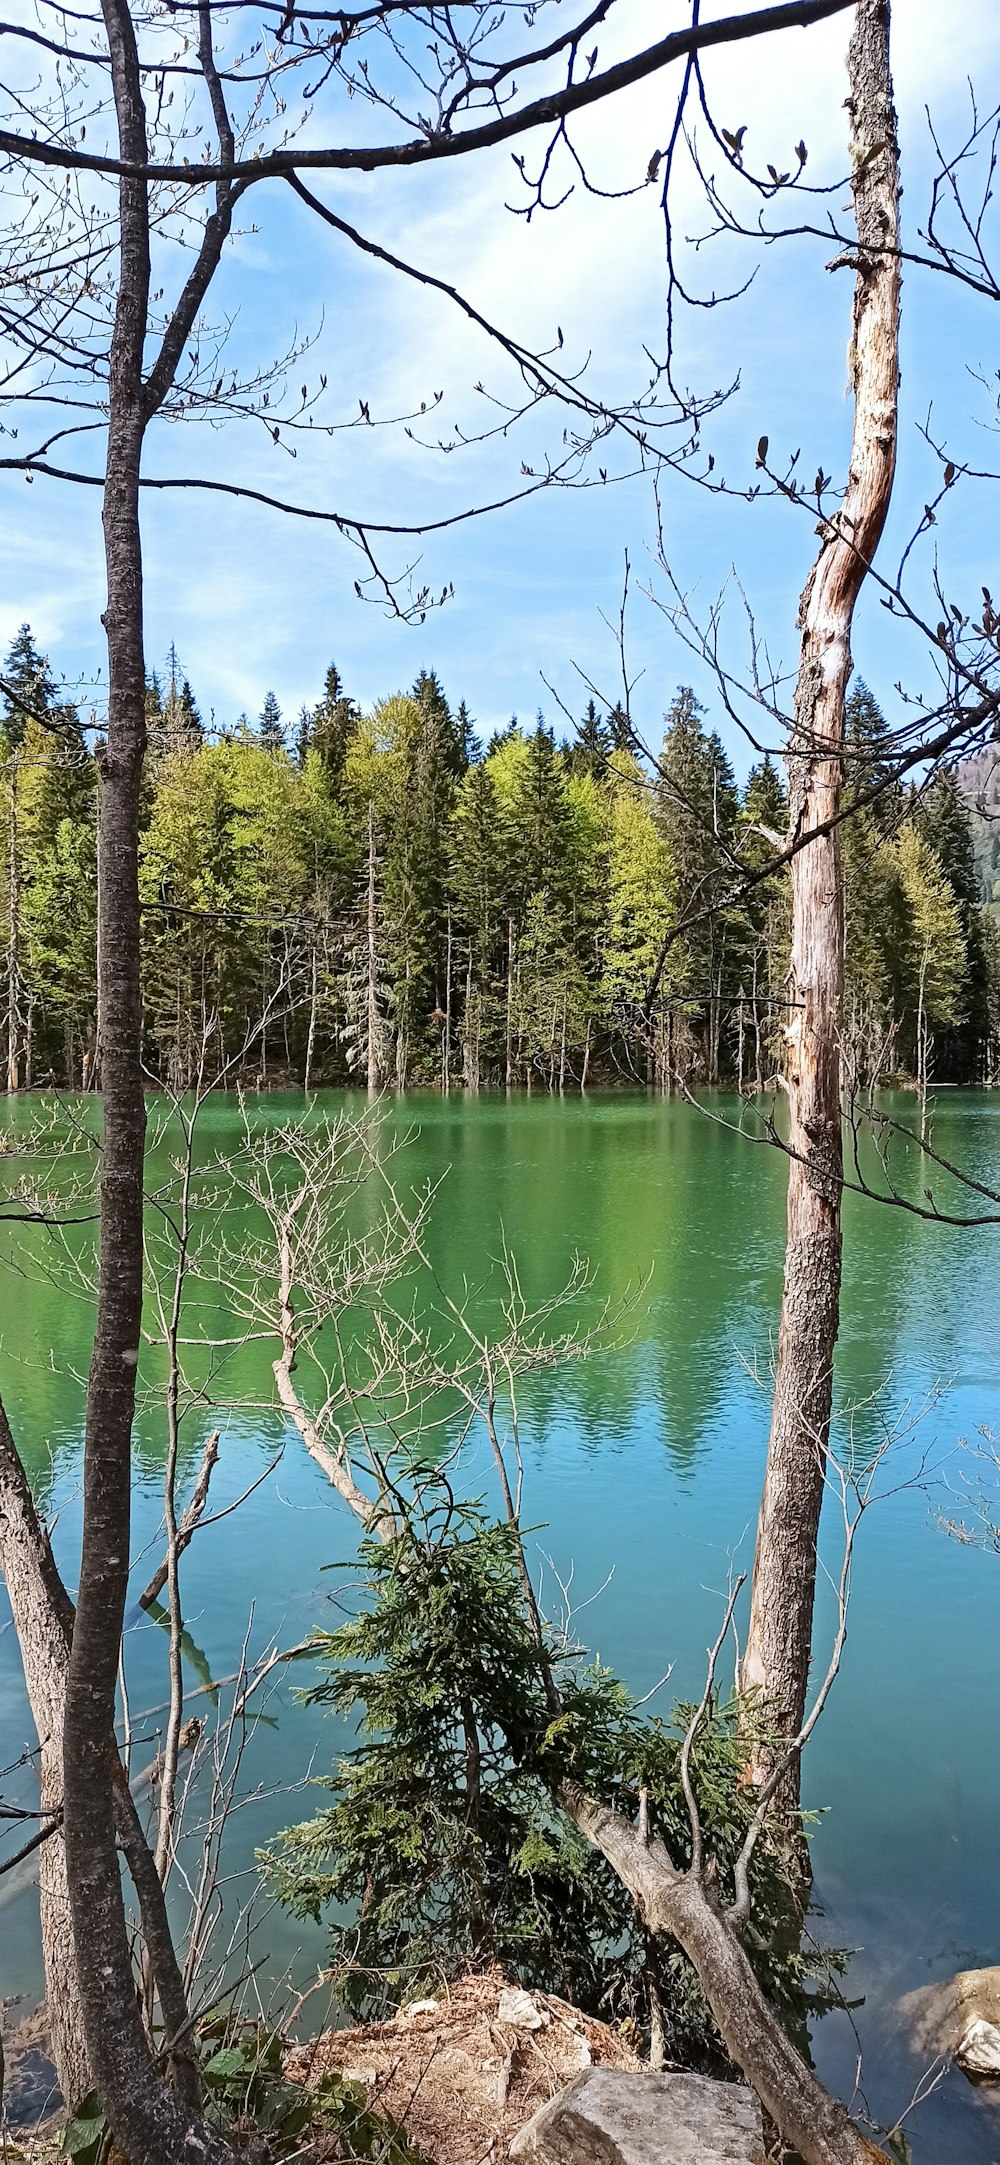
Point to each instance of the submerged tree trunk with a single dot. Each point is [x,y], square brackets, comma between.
[776,1659]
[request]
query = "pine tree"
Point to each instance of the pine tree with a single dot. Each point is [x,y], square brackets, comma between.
[621,731]
[868,762]
[478,891]
[27,686]
[270,734]
[942,816]
[328,729]
[931,957]
[470,749]
[591,747]
[642,898]
[450,731]
[539,819]
[698,807]
[173,720]
[761,927]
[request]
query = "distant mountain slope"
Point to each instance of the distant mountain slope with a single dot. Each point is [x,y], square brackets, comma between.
[978,777]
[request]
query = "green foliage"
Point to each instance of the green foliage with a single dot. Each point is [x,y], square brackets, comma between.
[86,2136]
[246,2087]
[520,900]
[445,1844]
[246,2092]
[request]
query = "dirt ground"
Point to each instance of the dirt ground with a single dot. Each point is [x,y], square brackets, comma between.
[463,2073]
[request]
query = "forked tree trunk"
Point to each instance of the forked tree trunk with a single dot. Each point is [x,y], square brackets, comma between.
[776,1659]
[684,1907]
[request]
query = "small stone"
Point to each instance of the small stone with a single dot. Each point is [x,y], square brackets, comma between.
[418,2007]
[978,2053]
[518,2008]
[605,2117]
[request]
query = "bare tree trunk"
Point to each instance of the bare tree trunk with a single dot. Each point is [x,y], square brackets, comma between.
[510,1004]
[683,1906]
[446,1047]
[470,1033]
[13,940]
[374,1023]
[758,1071]
[923,1048]
[43,1621]
[776,1659]
[311,1036]
[150,2123]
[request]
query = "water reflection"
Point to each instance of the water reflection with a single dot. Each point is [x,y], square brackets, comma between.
[643,1462]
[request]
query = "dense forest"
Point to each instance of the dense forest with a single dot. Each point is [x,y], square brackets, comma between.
[380,898]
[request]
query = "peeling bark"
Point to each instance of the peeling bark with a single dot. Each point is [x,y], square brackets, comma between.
[776,1660]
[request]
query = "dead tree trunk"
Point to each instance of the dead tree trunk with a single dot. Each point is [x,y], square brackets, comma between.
[683,1906]
[776,1659]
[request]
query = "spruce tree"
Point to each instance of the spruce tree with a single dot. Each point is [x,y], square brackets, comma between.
[27,686]
[943,818]
[698,807]
[591,747]
[328,729]
[174,723]
[450,731]
[868,763]
[478,887]
[469,748]
[540,821]
[270,734]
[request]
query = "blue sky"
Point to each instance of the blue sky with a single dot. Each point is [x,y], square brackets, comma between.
[255,602]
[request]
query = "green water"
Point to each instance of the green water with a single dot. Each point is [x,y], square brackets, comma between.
[642,1463]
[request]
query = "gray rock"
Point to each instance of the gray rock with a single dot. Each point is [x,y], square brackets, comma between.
[605,2117]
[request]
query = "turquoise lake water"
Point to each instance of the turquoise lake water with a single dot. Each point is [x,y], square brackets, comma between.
[643,1465]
